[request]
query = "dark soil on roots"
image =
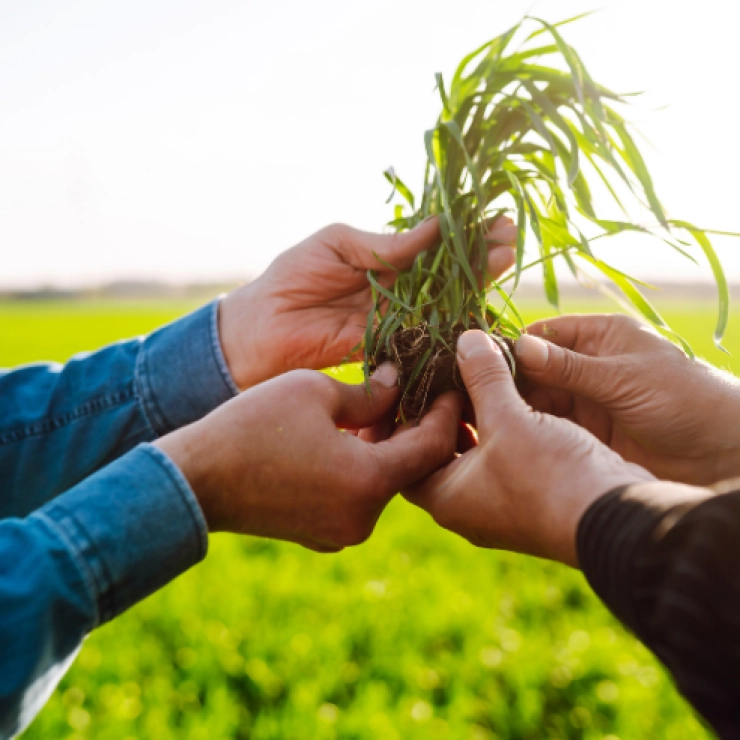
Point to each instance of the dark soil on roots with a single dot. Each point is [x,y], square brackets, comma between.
[440,373]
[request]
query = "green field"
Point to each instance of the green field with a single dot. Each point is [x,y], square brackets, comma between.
[414,634]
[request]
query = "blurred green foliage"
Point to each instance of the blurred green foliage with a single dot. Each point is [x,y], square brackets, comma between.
[415,634]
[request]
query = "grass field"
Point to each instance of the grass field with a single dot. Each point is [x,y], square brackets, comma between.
[415,634]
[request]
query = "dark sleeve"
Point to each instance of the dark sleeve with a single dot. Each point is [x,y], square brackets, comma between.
[665,558]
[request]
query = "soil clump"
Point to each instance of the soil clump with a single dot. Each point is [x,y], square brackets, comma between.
[440,373]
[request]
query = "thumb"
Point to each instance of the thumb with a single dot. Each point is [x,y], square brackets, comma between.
[360,406]
[487,378]
[558,367]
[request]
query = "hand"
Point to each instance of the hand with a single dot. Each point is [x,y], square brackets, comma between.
[531,477]
[309,309]
[274,462]
[637,393]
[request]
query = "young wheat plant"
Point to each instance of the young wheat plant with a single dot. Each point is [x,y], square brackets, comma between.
[535,139]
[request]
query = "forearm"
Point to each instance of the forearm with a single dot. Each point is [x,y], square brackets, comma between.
[664,559]
[59,424]
[80,561]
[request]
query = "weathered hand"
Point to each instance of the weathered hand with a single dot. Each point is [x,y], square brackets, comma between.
[637,393]
[310,307]
[274,462]
[532,475]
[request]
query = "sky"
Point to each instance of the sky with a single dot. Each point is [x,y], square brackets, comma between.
[194,140]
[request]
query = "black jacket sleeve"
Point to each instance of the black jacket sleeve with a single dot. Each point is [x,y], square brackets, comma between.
[665,558]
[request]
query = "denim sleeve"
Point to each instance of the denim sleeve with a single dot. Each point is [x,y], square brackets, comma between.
[61,423]
[81,560]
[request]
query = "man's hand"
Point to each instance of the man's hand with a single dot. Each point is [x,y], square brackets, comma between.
[309,309]
[274,462]
[532,475]
[637,393]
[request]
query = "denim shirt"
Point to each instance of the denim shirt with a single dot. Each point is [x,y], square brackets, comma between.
[92,517]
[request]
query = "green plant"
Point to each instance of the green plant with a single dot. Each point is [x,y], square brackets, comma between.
[515,135]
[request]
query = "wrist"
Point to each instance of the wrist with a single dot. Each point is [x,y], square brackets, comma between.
[238,326]
[592,487]
[195,464]
[717,443]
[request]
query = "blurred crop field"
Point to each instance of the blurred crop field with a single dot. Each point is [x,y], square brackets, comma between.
[414,634]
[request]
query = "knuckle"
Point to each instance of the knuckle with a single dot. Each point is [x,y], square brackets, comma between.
[320,383]
[308,380]
[314,386]
[299,377]
[337,232]
[395,241]
[623,323]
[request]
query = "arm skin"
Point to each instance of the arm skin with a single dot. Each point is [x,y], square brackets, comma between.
[663,556]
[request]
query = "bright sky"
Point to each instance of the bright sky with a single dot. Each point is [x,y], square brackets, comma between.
[196,139]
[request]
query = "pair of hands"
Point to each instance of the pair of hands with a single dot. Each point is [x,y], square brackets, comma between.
[274,461]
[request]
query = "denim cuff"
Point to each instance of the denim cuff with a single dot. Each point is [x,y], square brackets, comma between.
[131,528]
[181,373]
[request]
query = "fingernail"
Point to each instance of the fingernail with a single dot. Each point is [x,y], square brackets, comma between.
[532,352]
[476,342]
[386,375]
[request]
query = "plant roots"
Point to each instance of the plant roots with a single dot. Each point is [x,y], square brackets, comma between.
[422,383]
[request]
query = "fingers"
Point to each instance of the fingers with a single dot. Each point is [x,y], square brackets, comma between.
[487,379]
[413,453]
[501,254]
[357,407]
[557,367]
[565,331]
[585,333]
[380,431]
[502,231]
[500,259]
[398,250]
